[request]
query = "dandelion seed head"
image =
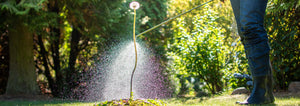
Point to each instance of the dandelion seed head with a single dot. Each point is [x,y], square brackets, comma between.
[134,5]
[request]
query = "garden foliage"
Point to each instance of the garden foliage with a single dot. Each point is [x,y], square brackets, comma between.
[205,48]
[282,23]
[199,51]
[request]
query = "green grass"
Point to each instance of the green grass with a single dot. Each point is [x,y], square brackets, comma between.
[44,103]
[227,101]
[223,100]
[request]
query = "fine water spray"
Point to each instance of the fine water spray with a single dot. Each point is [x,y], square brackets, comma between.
[135,5]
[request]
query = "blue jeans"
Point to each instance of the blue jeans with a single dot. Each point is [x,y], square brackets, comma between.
[249,15]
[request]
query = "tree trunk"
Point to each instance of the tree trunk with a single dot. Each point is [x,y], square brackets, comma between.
[71,73]
[58,85]
[22,75]
[58,89]
[44,55]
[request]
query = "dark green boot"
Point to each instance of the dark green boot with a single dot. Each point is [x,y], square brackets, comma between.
[259,63]
[270,85]
[262,77]
[259,94]
[270,89]
[262,92]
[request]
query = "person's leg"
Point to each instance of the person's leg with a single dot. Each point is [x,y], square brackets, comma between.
[249,15]
[235,4]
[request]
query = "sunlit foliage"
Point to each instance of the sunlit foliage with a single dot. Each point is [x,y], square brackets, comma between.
[205,45]
[283,26]
[199,51]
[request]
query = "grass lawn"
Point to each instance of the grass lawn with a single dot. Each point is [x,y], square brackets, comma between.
[44,103]
[228,101]
[223,100]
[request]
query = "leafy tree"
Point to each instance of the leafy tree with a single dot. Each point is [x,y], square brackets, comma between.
[21,68]
[77,32]
[152,13]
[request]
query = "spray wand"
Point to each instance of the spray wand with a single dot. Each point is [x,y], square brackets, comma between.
[170,19]
[135,5]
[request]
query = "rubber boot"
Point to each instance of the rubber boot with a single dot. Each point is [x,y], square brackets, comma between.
[258,59]
[262,92]
[271,98]
[259,92]
[270,85]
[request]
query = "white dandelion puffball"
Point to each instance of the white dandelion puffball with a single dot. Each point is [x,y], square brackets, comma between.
[134,5]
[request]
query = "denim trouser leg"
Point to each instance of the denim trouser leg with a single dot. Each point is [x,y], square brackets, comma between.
[249,15]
